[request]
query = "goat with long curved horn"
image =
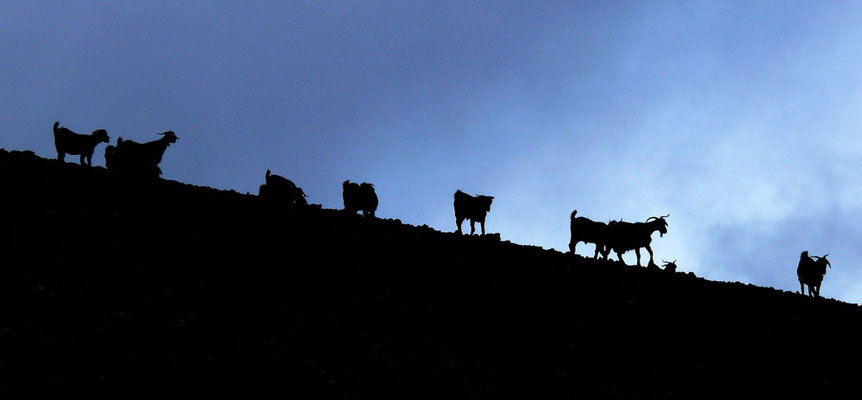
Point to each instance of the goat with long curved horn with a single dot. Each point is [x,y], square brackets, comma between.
[817,258]
[811,271]
[625,236]
[652,218]
[669,266]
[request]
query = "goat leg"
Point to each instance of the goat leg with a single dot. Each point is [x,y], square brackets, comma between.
[651,261]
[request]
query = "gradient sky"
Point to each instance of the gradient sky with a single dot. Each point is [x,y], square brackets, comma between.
[740,119]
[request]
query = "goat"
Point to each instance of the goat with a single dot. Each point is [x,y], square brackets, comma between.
[625,236]
[588,231]
[669,266]
[472,208]
[70,142]
[358,196]
[139,158]
[279,187]
[811,272]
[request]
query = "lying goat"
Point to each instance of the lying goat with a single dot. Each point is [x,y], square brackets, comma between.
[358,196]
[811,272]
[139,158]
[278,188]
[73,143]
[625,236]
[588,231]
[472,208]
[669,266]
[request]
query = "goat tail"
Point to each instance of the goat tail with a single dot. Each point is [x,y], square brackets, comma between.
[56,126]
[574,213]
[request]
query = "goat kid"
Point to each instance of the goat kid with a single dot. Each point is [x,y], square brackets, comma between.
[473,208]
[68,142]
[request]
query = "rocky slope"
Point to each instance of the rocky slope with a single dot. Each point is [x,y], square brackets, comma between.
[115,286]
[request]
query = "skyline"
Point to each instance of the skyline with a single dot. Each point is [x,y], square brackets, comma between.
[739,120]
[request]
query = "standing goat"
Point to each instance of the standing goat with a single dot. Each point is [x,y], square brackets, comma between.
[625,236]
[472,208]
[139,158]
[280,188]
[73,143]
[811,272]
[359,197]
[588,231]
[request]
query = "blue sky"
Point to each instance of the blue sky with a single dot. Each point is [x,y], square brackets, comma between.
[740,119]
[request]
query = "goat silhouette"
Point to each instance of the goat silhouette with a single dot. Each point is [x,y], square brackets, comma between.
[139,158]
[811,272]
[66,141]
[280,188]
[473,208]
[359,197]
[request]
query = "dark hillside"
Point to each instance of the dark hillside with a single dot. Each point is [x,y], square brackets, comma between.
[117,286]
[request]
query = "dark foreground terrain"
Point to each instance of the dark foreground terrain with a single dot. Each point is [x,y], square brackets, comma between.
[122,287]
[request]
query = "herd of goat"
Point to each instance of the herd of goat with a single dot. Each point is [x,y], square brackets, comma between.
[143,159]
[619,236]
[127,156]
